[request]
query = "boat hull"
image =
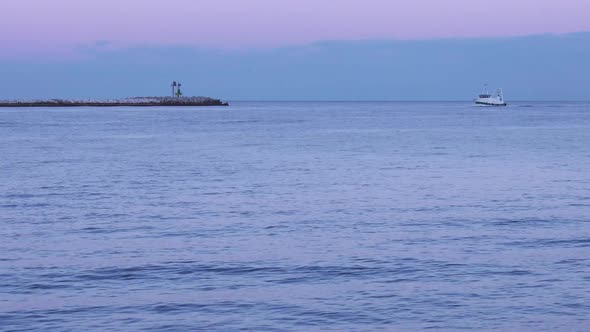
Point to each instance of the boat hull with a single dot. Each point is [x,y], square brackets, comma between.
[483,103]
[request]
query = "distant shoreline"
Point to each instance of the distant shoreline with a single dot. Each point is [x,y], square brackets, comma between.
[132,102]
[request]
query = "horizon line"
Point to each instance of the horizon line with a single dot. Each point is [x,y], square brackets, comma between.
[395,101]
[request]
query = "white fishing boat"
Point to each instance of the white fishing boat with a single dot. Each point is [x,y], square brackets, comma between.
[488,99]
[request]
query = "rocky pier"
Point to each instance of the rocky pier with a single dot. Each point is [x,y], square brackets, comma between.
[135,101]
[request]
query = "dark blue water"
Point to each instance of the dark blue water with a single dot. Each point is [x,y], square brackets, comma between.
[296,217]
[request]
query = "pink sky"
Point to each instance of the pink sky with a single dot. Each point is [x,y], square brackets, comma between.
[268,23]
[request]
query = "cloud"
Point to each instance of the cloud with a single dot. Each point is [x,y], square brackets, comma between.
[534,67]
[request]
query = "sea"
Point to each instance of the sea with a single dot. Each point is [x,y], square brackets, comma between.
[296,216]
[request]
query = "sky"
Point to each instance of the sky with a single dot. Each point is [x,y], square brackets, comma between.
[271,23]
[257,49]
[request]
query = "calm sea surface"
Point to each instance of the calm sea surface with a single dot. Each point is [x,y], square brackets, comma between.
[296,217]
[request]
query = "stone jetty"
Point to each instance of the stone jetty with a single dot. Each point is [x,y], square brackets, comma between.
[135,101]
